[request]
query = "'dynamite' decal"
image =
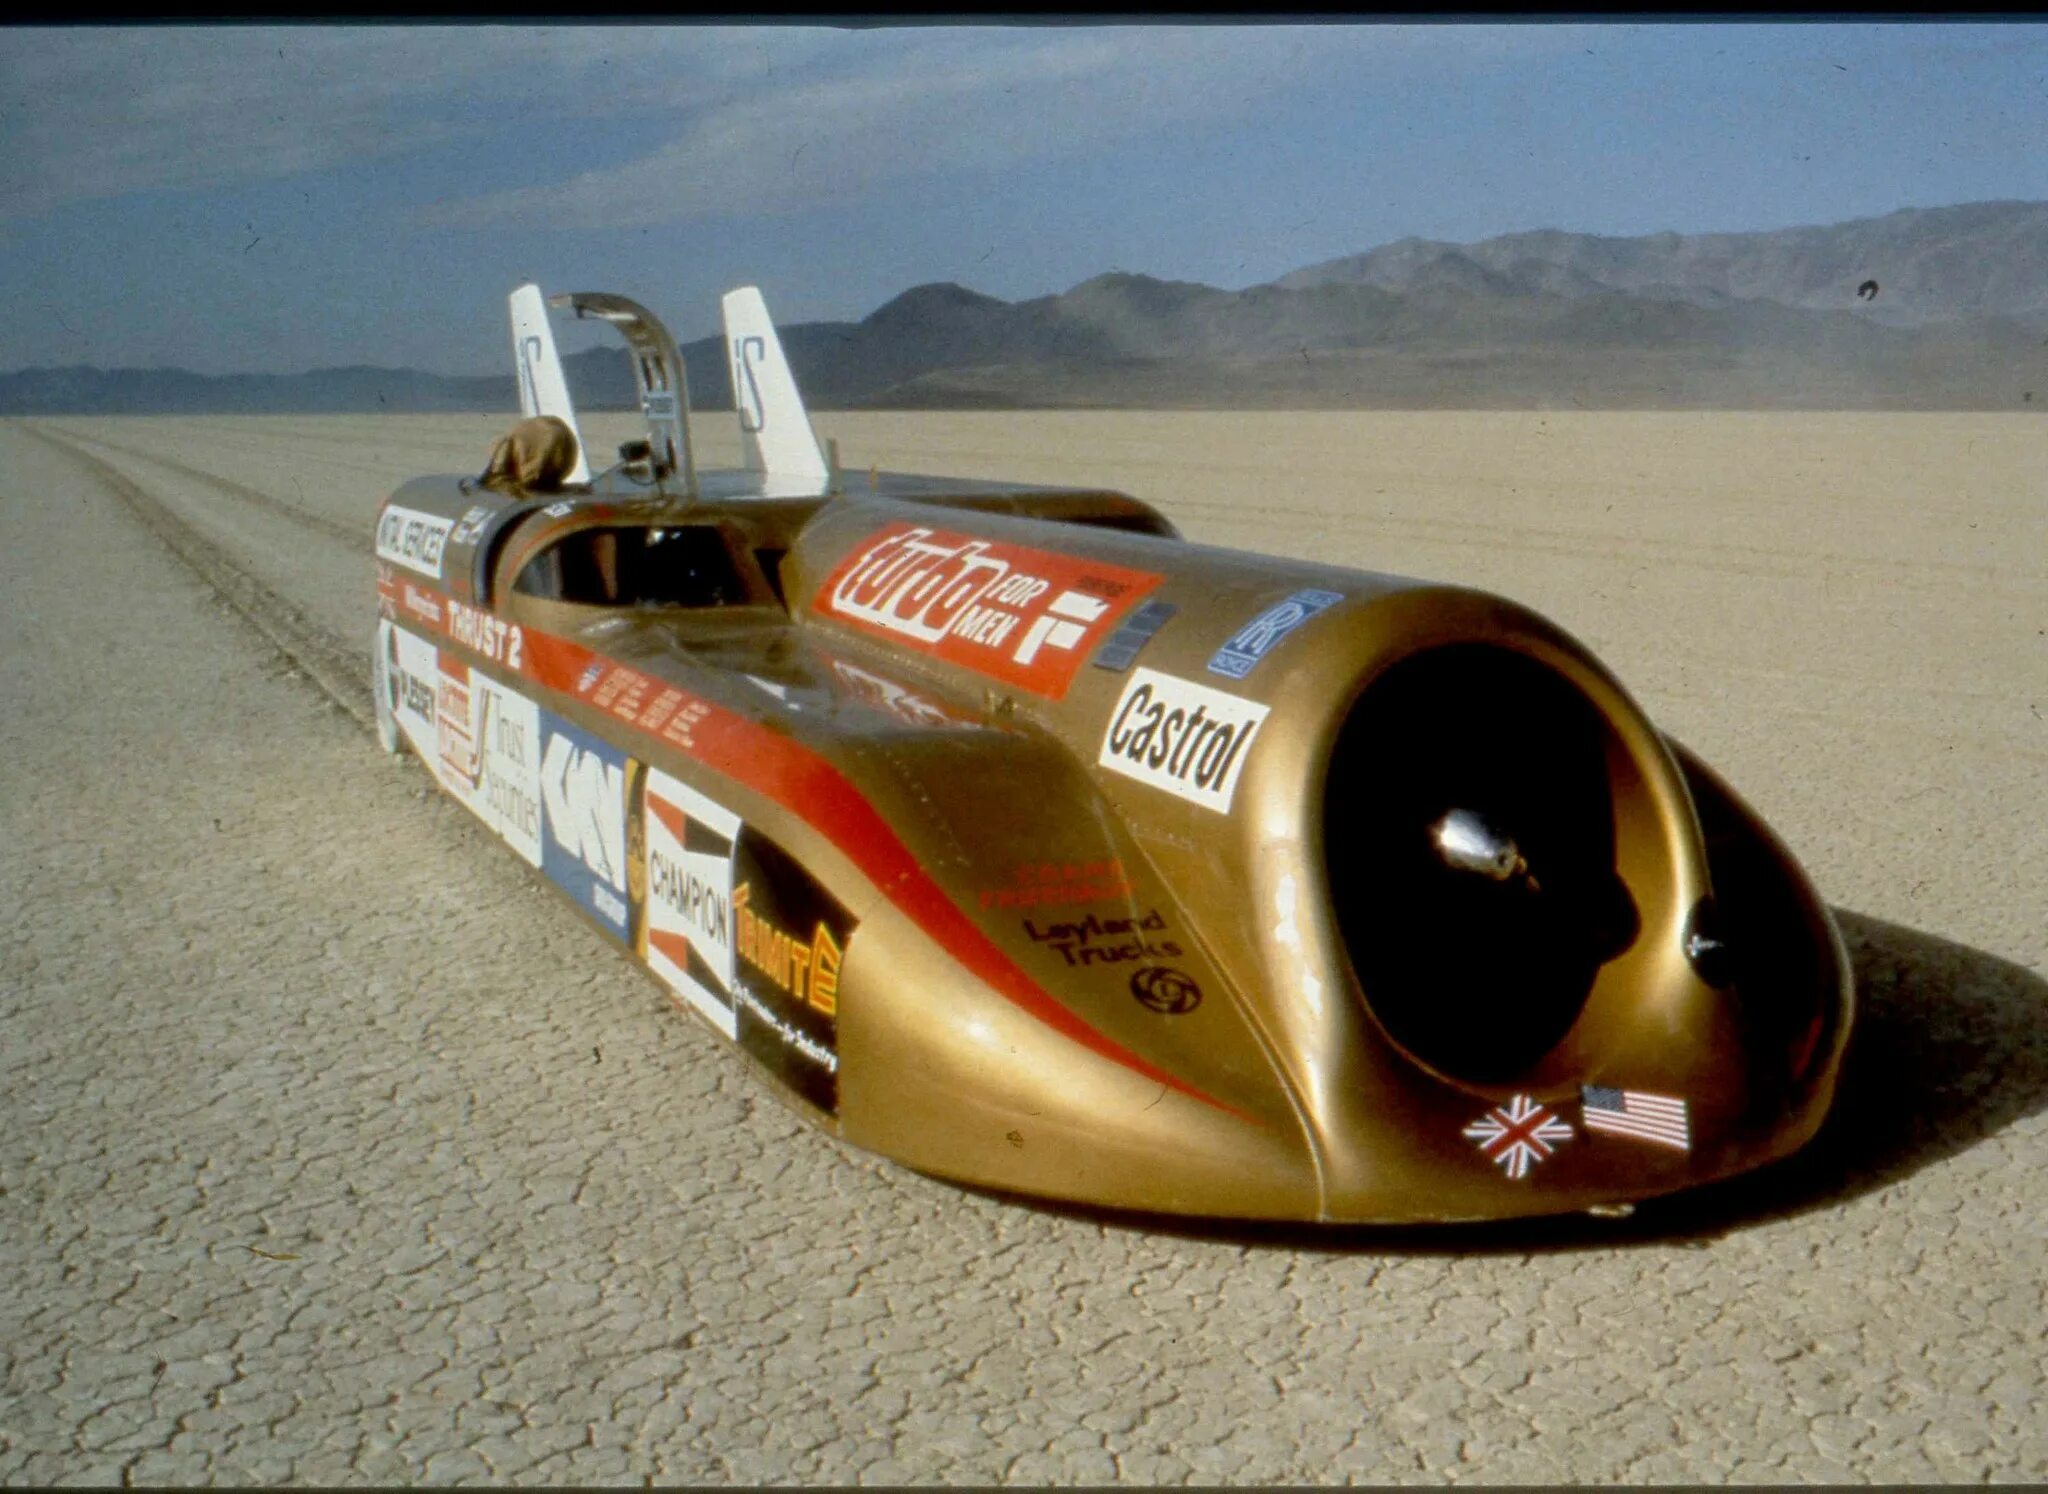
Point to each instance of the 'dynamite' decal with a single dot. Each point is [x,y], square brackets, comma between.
[1018,614]
[736,928]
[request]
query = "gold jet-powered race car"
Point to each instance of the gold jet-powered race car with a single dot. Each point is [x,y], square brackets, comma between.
[1017,839]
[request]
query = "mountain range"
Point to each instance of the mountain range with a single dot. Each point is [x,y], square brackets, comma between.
[1942,308]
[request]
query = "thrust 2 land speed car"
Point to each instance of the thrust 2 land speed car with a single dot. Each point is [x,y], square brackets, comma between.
[1021,841]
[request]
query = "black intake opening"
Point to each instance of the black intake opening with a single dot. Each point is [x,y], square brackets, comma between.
[1468,831]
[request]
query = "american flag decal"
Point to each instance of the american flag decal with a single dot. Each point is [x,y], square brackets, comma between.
[1518,1134]
[1659,1119]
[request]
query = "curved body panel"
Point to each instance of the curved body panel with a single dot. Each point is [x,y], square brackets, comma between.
[1084,919]
[1013,837]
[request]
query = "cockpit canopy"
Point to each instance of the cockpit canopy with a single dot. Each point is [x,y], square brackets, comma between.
[642,565]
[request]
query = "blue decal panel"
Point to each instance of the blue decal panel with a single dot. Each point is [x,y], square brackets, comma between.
[583,784]
[1257,638]
[1121,650]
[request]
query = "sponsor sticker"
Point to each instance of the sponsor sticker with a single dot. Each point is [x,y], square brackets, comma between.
[1182,737]
[1121,652]
[456,759]
[1052,883]
[1097,941]
[1014,613]
[489,753]
[738,929]
[583,784]
[412,682]
[1257,638]
[421,604]
[689,842]
[1518,1135]
[470,525]
[408,537]
[1169,992]
[791,936]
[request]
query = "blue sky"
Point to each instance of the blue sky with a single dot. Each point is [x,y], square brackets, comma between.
[280,198]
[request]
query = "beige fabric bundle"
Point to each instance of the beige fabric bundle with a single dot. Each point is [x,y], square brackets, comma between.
[535,454]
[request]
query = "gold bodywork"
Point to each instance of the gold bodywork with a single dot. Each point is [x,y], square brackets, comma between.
[1008,942]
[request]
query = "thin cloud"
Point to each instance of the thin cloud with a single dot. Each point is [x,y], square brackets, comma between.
[893,106]
[754,118]
[99,112]
[803,140]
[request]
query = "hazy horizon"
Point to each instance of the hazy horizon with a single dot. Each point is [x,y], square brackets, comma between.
[578,339]
[278,199]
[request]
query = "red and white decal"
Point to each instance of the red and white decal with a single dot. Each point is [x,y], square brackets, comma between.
[420,604]
[493,637]
[905,704]
[690,840]
[1025,616]
[461,765]
[489,738]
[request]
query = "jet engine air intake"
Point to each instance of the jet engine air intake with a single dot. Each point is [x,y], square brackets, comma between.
[1469,843]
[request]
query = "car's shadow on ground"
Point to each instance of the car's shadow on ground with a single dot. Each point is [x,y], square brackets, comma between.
[1950,1046]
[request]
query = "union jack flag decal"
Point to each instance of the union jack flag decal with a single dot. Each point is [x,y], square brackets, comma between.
[1518,1134]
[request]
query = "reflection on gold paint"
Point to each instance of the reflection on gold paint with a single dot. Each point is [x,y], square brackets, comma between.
[636,853]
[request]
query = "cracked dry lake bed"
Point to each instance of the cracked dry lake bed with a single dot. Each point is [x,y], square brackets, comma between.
[339,1150]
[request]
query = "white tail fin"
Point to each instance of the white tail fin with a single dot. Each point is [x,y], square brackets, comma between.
[775,433]
[542,388]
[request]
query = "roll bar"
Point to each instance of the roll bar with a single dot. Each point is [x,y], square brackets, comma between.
[658,370]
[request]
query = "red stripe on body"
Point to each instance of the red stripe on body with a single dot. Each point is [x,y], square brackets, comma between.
[669,816]
[811,788]
[675,946]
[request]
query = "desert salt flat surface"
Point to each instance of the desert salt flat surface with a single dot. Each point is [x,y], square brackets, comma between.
[337,1149]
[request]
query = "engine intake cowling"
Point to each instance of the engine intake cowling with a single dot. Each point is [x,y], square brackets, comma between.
[1469,842]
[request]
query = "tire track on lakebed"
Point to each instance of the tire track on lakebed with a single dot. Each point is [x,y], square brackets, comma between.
[349,534]
[386,1214]
[338,671]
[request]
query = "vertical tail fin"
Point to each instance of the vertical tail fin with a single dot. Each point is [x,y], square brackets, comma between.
[775,433]
[542,388]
